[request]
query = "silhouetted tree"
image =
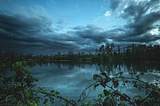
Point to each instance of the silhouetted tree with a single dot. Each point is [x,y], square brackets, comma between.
[101,49]
[79,54]
[46,56]
[59,53]
[82,54]
[112,47]
[107,48]
[133,48]
[71,54]
[118,51]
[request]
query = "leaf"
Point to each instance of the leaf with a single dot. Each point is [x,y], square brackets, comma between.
[121,73]
[99,95]
[95,76]
[66,96]
[35,79]
[141,97]
[28,94]
[3,65]
[40,88]
[27,66]
[135,73]
[102,83]
[55,95]
[7,97]
[103,95]
[57,92]
[52,99]
[110,90]
[135,85]
[52,91]
[104,74]
[109,101]
[115,83]
[25,90]
[108,79]
[24,62]
[45,101]
[99,100]
[95,86]
[106,93]
[123,98]
[137,77]
[116,74]
[13,65]
[76,103]
[87,102]
[18,64]
[117,93]
[32,103]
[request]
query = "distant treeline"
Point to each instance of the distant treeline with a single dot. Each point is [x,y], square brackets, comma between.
[105,52]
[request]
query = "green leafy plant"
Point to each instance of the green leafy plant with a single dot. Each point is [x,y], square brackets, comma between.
[22,87]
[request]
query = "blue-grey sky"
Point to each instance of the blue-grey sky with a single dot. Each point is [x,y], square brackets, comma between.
[52,26]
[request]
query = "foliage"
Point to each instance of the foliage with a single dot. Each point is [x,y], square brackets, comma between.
[19,85]
[18,88]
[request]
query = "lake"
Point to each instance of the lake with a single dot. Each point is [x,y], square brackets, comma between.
[71,78]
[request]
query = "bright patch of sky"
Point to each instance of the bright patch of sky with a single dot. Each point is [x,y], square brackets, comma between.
[155,31]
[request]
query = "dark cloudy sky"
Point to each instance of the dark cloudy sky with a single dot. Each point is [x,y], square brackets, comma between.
[50,26]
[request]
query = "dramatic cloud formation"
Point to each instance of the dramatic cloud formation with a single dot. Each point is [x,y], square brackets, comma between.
[52,26]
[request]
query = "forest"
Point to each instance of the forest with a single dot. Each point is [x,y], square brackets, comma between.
[103,53]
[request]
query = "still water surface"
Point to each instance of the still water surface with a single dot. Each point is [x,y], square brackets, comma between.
[70,79]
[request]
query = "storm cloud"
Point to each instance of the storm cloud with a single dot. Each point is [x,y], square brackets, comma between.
[42,35]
